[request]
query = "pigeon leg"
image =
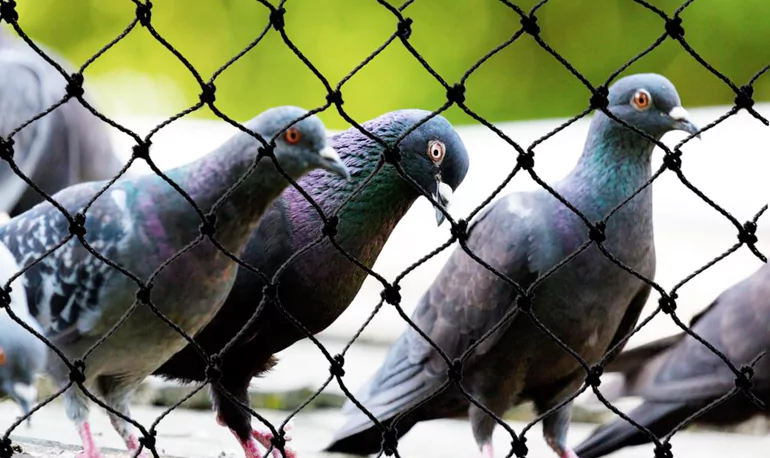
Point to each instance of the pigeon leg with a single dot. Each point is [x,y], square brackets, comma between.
[555,431]
[265,437]
[116,395]
[487,451]
[76,407]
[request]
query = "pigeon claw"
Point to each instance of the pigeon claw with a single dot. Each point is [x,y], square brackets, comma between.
[265,438]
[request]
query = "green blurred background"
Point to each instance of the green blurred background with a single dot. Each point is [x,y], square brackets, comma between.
[139,76]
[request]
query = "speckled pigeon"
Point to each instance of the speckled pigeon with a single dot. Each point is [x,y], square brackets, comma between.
[589,303]
[319,284]
[677,376]
[68,146]
[139,223]
[22,354]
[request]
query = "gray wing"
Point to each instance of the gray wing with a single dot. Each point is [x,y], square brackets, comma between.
[737,323]
[464,302]
[26,90]
[63,289]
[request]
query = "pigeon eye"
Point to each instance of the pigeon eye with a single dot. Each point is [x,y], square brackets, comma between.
[2,357]
[436,151]
[641,100]
[292,136]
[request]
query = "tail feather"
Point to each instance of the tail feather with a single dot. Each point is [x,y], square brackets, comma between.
[659,418]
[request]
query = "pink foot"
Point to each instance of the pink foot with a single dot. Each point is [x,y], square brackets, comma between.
[89,447]
[264,438]
[568,453]
[487,451]
[133,445]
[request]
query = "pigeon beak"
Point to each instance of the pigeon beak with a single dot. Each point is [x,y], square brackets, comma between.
[331,161]
[443,196]
[682,121]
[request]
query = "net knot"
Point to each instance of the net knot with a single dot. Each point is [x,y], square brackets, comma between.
[593,378]
[459,230]
[663,451]
[77,226]
[391,294]
[745,379]
[596,232]
[456,94]
[8,12]
[6,149]
[392,154]
[524,303]
[526,160]
[266,151]
[148,440]
[143,294]
[276,18]
[278,441]
[6,447]
[144,13]
[5,297]
[214,368]
[75,85]
[209,226]
[600,98]
[389,441]
[743,98]
[78,371]
[337,368]
[404,28]
[142,150]
[455,371]
[208,93]
[667,304]
[519,447]
[530,25]
[674,27]
[673,161]
[270,291]
[748,234]
[330,228]
[335,98]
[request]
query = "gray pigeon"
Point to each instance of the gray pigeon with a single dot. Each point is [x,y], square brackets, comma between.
[321,282]
[22,354]
[68,146]
[589,303]
[678,376]
[140,223]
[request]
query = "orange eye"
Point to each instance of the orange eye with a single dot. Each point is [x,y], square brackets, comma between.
[292,136]
[436,151]
[2,357]
[641,99]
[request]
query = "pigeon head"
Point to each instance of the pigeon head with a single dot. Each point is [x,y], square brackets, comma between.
[649,102]
[433,154]
[300,145]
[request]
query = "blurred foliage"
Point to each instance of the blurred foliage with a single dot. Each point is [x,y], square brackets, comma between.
[523,81]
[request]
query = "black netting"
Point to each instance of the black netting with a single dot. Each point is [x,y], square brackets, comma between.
[671,27]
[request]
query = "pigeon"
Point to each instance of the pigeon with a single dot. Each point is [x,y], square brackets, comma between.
[22,355]
[589,303]
[319,284]
[677,376]
[67,146]
[139,223]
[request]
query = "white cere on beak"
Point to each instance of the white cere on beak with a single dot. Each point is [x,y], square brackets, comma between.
[330,153]
[445,192]
[679,114]
[4,217]
[26,392]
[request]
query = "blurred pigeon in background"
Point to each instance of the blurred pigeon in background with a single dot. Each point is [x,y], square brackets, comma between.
[320,284]
[68,146]
[22,354]
[678,376]
[589,303]
[139,223]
